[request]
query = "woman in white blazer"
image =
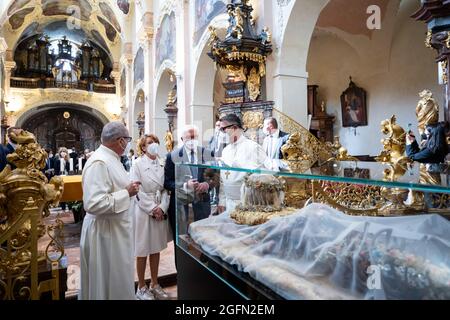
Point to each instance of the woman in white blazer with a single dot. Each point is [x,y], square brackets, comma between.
[151,227]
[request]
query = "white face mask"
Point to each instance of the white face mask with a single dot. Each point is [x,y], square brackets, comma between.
[224,138]
[127,148]
[191,144]
[50,155]
[153,149]
[266,130]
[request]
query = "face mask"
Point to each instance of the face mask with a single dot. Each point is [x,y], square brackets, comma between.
[191,144]
[266,130]
[63,154]
[127,148]
[50,155]
[153,149]
[224,138]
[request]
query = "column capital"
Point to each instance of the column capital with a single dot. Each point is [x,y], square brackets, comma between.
[9,66]
[146,37]
[127,60]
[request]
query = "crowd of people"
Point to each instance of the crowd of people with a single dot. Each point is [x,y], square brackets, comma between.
[138,209]
[131,200]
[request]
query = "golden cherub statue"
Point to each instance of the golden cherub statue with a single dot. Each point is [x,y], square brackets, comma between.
[395,143]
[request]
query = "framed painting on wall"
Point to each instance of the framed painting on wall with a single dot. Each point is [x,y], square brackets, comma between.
[353,105]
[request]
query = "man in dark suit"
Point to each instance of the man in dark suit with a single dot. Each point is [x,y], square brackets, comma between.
[275,139]
[188,183]
[49,169]
[9,148]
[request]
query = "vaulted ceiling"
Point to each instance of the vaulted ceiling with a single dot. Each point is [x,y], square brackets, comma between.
[95,20]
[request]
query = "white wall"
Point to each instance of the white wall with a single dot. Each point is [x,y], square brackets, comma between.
[410,69]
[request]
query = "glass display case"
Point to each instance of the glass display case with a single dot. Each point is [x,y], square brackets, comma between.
[342,230]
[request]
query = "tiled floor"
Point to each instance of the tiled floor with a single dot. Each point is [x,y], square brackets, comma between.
[71,241]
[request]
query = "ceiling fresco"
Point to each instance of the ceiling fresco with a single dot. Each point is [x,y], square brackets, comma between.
[17,5]
[109,29]
[98,15]
[109,15]
[60,7]
[18,18]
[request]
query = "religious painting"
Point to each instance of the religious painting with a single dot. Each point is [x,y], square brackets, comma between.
[16,5]
[139,67]
[353,105]
[166,40]
[111,33]
[110,16]
[124,6]
[17,19]
[205,12]
[61,7]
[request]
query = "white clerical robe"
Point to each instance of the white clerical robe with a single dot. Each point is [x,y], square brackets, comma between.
[244,153]
[106,244]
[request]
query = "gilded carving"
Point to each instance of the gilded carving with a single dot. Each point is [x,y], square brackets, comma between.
[254,85]
[428,39]
[395,143]
[168,141]
[25,198]
[253,120]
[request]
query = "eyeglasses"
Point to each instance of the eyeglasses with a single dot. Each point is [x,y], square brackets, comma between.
[126,138]
[225,128]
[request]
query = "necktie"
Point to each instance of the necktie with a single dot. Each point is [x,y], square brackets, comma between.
[194,170]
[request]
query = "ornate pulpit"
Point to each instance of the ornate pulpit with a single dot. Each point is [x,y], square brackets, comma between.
[243,55]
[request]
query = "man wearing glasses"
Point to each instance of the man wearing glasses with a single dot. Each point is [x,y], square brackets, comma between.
[106,261]
[239,153]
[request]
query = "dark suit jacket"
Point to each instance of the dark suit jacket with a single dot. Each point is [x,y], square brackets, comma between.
[282,139]
[425,155]
[202,208]
[57,166]
[4,151]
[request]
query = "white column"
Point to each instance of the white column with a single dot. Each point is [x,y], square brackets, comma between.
[146,41]
[291,96]
[183,55]
[127,62]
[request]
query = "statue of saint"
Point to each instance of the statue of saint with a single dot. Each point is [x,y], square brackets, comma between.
[427,110]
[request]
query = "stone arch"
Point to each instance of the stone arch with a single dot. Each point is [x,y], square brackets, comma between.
[138,109]
[201,111]
[290,78]
[83,126]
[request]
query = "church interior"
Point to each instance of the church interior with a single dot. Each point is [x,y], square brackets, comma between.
[351,84]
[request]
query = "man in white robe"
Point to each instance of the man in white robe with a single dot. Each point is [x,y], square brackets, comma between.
[241,152]
[106,244]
